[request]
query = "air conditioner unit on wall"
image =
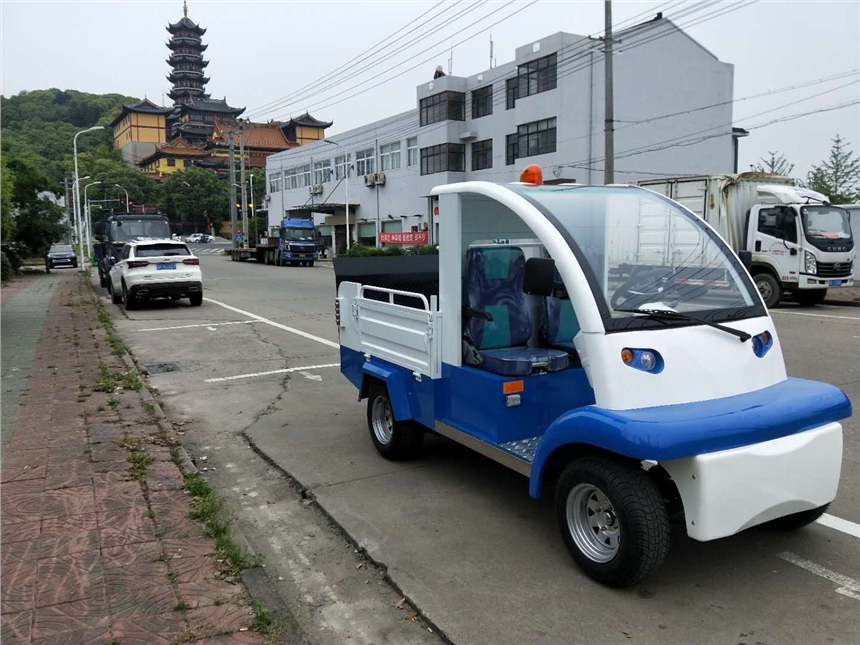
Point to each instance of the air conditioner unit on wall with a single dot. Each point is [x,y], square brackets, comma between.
[316,189]
[379,179]
[424,226]
[368,181]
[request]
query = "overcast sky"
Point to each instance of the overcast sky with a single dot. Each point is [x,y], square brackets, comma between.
[262,51]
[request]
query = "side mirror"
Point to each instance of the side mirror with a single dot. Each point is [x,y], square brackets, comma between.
[539,277]
[746,259]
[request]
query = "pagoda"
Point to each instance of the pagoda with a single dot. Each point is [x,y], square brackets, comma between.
[186,60]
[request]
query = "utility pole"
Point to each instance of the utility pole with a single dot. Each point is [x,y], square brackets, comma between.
[233,189]
[244,187]
[609,112]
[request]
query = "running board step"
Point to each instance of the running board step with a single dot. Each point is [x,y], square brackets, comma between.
[523,448]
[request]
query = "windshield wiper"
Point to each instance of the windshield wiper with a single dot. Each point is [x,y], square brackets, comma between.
[658,314]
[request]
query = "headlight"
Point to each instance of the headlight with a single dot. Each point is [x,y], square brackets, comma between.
[811,264]
[646,360]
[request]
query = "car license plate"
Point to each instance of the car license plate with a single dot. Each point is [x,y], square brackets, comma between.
[835,283]
[61,261]
[167,266]
[300,255]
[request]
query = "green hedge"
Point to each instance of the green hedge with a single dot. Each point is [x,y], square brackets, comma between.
[5,268]
[364,251]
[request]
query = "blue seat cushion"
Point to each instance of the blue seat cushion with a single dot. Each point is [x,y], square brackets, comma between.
[521,361]
[570,350]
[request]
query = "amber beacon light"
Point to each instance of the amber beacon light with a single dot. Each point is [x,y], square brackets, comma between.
[532,174]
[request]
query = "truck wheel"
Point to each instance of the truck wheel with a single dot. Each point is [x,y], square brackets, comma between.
[612,519]
[311,263]
[395,440]
[769,288]
[810,298]
[797,520]
[102,281]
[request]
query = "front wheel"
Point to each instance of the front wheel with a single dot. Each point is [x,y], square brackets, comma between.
[311,263]
[769,288]
[613,520]
[810,298]
[395,440]
[102,280]
[797,520]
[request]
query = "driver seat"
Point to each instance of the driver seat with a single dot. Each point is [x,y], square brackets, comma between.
[497,321]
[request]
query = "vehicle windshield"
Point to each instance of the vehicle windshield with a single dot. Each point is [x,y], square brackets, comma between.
[826,222]
[299,234]
[647,252]
[139,229]
[61,248]
[159,250]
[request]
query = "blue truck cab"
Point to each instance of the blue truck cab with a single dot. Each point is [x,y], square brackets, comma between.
[298,242]
[629,378]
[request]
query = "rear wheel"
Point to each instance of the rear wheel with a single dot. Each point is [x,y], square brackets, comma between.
[810,298]
[769,288]
[114,298]
[395,440]
[797,520]
[127,300]
[612,519]
[196,299]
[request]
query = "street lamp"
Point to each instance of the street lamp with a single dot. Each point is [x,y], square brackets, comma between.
[77,191]
[88,224]
[245,222]
[346,180]
[253,210]
[76,217]
[126,196]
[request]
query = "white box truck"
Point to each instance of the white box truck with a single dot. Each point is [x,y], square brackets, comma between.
[800,243]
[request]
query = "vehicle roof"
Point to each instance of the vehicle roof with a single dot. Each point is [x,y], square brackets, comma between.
[137,216]
[165,240]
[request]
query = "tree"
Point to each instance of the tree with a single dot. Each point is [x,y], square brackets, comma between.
[775,163]
[38,226]
[195,195]
[838,176]
[106,166]
[7,224]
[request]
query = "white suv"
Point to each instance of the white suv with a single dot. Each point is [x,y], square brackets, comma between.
[155,269]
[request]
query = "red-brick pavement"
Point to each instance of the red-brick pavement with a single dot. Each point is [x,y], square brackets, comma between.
[89,553]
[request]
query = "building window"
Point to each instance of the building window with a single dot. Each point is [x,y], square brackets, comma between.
[482,102]
[389,156]
[511,146]
[536,138]
[322,171]
[340,164]
[511,93]
[482,154]
[291,179]
[365,162]
[447,157]
[537,76]
[275,183]
[302,175]
[171,162]
[442,106]
[412,151]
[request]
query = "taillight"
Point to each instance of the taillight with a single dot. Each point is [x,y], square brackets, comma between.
[191,261]
[136,264]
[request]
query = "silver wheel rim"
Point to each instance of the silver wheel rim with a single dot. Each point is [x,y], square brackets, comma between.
[383,420]
[764,289]
[593,523]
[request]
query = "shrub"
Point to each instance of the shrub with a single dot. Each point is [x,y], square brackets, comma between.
[363,251]
[5,267]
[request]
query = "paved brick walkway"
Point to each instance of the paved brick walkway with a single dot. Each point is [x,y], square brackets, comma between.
[91,554]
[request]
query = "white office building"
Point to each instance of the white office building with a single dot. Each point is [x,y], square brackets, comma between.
[673,113]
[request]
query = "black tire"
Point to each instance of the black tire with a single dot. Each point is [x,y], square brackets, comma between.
[810,298]
[636,515]
[128,302]
[311,263]
[196,299]
[115,299]
[294,264]
[769,288]
[797,520]
[405,438]
[102,280]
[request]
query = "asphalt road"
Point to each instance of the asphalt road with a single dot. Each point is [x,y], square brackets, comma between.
[459,534]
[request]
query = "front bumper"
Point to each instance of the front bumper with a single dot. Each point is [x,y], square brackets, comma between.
[728,491]
[61,263]
[164,289]
[817,282]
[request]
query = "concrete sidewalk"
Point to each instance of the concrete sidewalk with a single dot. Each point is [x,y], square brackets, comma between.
[97,546]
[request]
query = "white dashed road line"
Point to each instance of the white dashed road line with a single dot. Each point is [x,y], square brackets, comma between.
[240,322]
[833,522]
[269,373]
[847,586]
[292,330]
[799,313]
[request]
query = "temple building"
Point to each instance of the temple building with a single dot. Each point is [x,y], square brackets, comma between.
[196,130]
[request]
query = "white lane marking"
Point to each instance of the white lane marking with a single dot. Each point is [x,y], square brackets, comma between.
[311,377]
[207,325]
[839,524]
[292,330]
[269,373]
[799,313]
[847,586]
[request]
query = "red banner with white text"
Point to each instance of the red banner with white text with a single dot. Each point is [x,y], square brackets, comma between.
[417,237]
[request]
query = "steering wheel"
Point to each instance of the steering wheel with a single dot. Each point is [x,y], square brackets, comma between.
[646,286]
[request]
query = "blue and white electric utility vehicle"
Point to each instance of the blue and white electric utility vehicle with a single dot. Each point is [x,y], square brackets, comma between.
[630,378]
